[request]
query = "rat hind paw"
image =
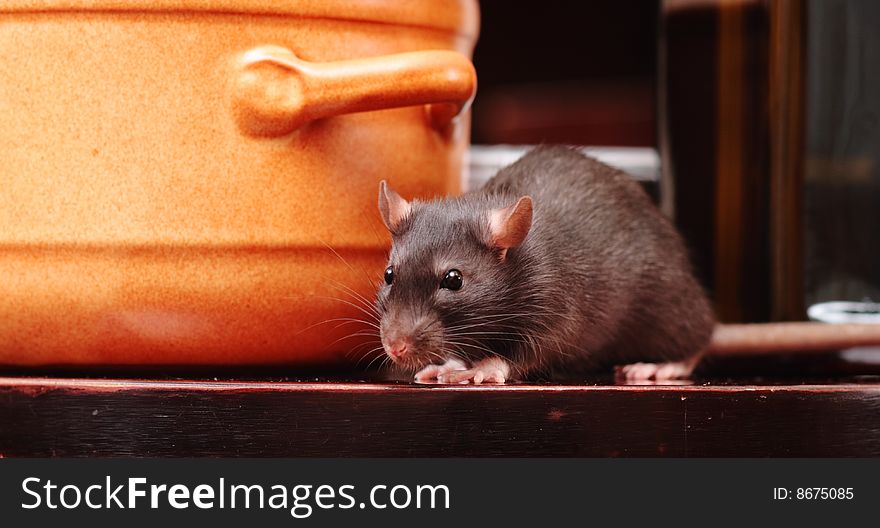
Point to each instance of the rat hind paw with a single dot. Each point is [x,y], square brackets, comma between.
[433,372]
[492,370]
[657,371]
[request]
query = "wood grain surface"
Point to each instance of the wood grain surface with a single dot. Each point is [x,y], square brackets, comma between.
[127,417]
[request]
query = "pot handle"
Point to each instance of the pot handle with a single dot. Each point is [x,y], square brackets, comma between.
[274,92]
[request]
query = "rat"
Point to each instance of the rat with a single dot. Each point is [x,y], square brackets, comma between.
[558,264]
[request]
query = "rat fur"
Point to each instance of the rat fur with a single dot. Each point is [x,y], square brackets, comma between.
[565,264]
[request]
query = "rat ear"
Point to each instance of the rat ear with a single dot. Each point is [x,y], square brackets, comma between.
[392,206]
[509,226]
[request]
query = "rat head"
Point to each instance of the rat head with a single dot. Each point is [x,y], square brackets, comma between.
[451,277]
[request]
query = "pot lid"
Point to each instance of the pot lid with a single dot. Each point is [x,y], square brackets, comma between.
[457,16]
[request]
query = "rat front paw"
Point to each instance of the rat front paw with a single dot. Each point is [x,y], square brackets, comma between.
[433,372]
[492,370]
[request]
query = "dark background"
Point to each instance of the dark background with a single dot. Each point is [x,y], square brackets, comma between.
[567,72]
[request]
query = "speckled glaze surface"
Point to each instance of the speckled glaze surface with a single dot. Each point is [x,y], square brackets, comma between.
[188,182]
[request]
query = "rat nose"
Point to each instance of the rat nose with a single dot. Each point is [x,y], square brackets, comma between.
[397,347]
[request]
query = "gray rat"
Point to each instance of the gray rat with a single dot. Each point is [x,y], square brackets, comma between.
[558,264]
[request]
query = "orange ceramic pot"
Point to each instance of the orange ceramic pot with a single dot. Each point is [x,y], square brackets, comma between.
[193,182]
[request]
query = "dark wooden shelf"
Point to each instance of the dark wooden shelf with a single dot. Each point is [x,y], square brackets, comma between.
[58,416]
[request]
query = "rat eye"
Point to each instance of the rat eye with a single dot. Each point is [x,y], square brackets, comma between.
[452,280]
[389,275]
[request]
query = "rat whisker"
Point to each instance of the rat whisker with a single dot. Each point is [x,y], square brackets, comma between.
[343,338]
[349,303]
[364,334]
[347,264]
[492,325]
[479,324]
[351,320]
[439,357]
[357,349]
[475,346]
[357,352]
[333,320]
[365,355]
[357,296]
[507,337]
[490,333]
[378,357]
[459,354]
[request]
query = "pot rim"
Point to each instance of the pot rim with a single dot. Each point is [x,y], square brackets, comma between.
[455,16]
